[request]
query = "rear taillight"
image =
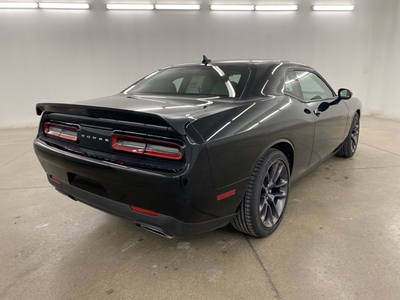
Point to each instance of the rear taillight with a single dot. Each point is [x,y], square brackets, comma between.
[66,132]
[146,146]
[128,143]
[163,149]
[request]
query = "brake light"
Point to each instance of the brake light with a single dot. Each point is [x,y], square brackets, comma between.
[62,131]
[146,146]
[127,143]
[163,149]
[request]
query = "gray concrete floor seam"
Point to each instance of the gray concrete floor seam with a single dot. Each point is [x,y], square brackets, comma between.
[363,143]
[268,277]
[14,159]
[27,188]
[359,168]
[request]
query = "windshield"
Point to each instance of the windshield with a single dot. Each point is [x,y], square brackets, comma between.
[203,80]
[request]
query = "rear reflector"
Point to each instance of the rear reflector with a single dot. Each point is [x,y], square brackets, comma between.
[62,131]
[146,146]
[226,195]
[144,211]
[54,178]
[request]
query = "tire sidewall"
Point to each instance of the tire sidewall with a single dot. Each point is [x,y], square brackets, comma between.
[349,152]
[259,228]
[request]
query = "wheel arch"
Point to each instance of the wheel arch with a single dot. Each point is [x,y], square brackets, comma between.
[287,149]
[283,145]
[252,215]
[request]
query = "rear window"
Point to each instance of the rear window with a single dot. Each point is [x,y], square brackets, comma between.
[199,80]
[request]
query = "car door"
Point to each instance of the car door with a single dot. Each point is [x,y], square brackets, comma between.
[330,115]
[304,131]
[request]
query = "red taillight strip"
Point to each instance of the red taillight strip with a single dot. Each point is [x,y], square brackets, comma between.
[226,195]
[131,149]
[144,211]
[164,154]
[66,132]
[147,146]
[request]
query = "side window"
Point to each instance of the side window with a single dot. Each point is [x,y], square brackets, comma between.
[312,86]
[292,86]
[235,78]
[177,82]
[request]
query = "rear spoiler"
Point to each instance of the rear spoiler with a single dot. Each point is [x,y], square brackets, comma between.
[178,124]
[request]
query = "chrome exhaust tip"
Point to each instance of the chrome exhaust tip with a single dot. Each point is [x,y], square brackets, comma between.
[157,231]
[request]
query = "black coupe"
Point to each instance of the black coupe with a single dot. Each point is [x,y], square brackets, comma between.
[194,147]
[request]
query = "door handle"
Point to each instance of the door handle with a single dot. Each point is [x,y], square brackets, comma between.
[317,112]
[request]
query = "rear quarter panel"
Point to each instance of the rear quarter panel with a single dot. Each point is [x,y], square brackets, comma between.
[235,146]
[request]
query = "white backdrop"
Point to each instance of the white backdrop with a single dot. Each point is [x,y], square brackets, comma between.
[66,56]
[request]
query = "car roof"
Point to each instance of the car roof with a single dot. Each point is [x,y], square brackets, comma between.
[243,63]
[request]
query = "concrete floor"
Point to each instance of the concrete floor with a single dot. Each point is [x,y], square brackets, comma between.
[340,238]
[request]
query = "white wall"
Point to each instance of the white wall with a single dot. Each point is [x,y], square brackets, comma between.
[65,56]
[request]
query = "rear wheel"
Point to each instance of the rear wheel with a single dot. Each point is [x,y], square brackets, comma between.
[349,146]
[262,209]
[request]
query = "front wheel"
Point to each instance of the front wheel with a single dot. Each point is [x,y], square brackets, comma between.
[350,144]
[262,209]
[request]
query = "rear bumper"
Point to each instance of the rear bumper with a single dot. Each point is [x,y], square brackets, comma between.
[186,203]
[162,224]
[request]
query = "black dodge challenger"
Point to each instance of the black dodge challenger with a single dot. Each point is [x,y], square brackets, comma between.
[194,147]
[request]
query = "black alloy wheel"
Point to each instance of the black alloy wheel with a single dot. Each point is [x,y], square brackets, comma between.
[355,132]
[262,209]
[350,144]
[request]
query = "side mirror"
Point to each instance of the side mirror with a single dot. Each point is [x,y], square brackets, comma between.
[344,94]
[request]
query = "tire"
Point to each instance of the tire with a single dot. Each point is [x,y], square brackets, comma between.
[263,207]
[349,146]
